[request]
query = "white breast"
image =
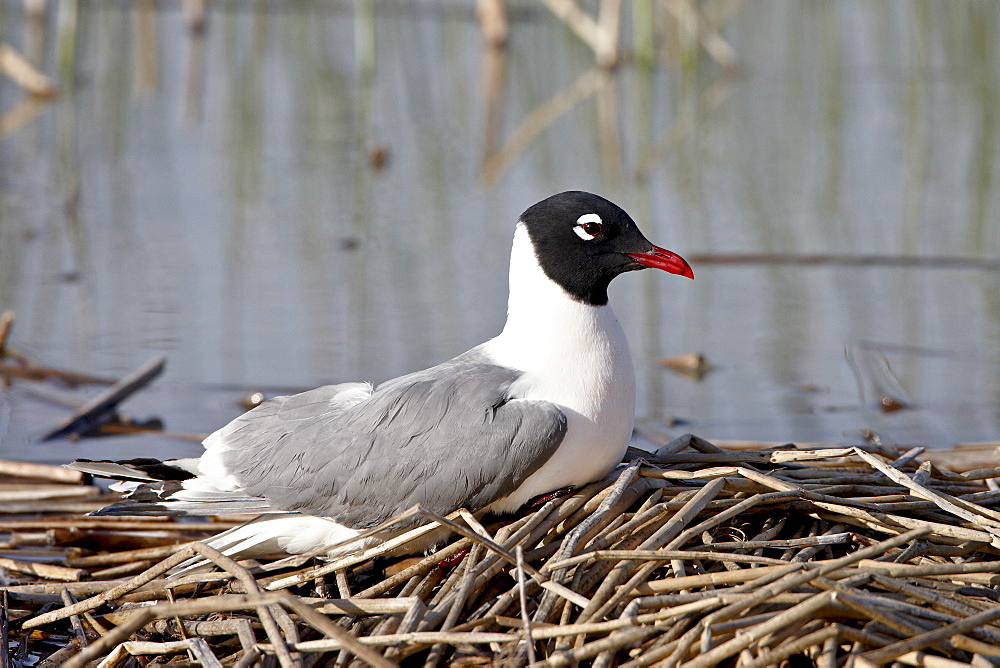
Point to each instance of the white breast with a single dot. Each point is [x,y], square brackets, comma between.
[574,355]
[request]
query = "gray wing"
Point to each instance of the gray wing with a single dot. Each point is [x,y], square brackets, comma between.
[445,438]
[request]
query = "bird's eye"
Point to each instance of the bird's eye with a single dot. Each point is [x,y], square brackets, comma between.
[588,226]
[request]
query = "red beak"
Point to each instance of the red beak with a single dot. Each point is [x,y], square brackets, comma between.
[660,258]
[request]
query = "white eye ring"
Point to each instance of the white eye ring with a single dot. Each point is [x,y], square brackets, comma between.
[588,226]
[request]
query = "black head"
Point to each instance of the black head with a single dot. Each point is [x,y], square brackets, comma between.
[583,241]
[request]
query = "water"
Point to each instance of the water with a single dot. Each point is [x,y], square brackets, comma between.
[215,198]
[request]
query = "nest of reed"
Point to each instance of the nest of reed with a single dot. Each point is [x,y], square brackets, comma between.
[690,556]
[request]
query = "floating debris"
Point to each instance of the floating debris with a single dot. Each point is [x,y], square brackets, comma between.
[101,408]
[876,378]
[6,322]
[492,17]
[252,400]
[890,404]
[692,365]
[24,73]
[99,415]
[378,157]
[698,556]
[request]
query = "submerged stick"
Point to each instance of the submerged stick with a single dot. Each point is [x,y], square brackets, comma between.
[100,407]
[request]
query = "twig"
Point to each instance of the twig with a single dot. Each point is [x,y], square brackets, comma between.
[525,618]
[675,540]
[19,469]
[47,571]
[6,322]
[97,409]
[24,74]
[4,630]
[27,370]
[143,616]
[896,650]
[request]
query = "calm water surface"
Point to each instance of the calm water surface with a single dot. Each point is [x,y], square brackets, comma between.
[213,198]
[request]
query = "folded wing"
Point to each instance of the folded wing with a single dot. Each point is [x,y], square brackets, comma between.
[447,437]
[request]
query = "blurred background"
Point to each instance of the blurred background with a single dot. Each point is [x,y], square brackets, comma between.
[276,195]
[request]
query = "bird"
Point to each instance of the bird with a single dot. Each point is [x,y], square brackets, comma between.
[547,404]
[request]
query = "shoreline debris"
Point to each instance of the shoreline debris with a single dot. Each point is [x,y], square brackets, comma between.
[25,74]
[96,416]
[101,408]
[692,365]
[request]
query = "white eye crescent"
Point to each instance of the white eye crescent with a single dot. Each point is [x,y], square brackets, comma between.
[588,226]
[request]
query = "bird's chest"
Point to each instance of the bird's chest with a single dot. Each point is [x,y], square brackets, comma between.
[591,378]
[594,385]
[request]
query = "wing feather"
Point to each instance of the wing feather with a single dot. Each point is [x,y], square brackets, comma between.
[444,438]
[448,437]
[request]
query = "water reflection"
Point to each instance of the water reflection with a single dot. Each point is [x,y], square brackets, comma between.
[210,195]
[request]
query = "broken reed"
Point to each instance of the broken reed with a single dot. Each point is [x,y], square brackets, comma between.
[696,556]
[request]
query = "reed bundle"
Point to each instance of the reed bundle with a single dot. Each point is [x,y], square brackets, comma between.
[690,556]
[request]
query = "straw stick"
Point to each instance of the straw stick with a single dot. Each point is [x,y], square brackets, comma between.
[39,471]
[99,407]
[682,565]
[114,592]
[663,555]
[47,571]
[525,618]
[606,596]
[963,509]
[774,657]
[541,578]
[331,630]
[143,616]
[795,614]
[896,650]
[20,69]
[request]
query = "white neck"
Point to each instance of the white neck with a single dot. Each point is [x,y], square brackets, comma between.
[574,355]
[578,347]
